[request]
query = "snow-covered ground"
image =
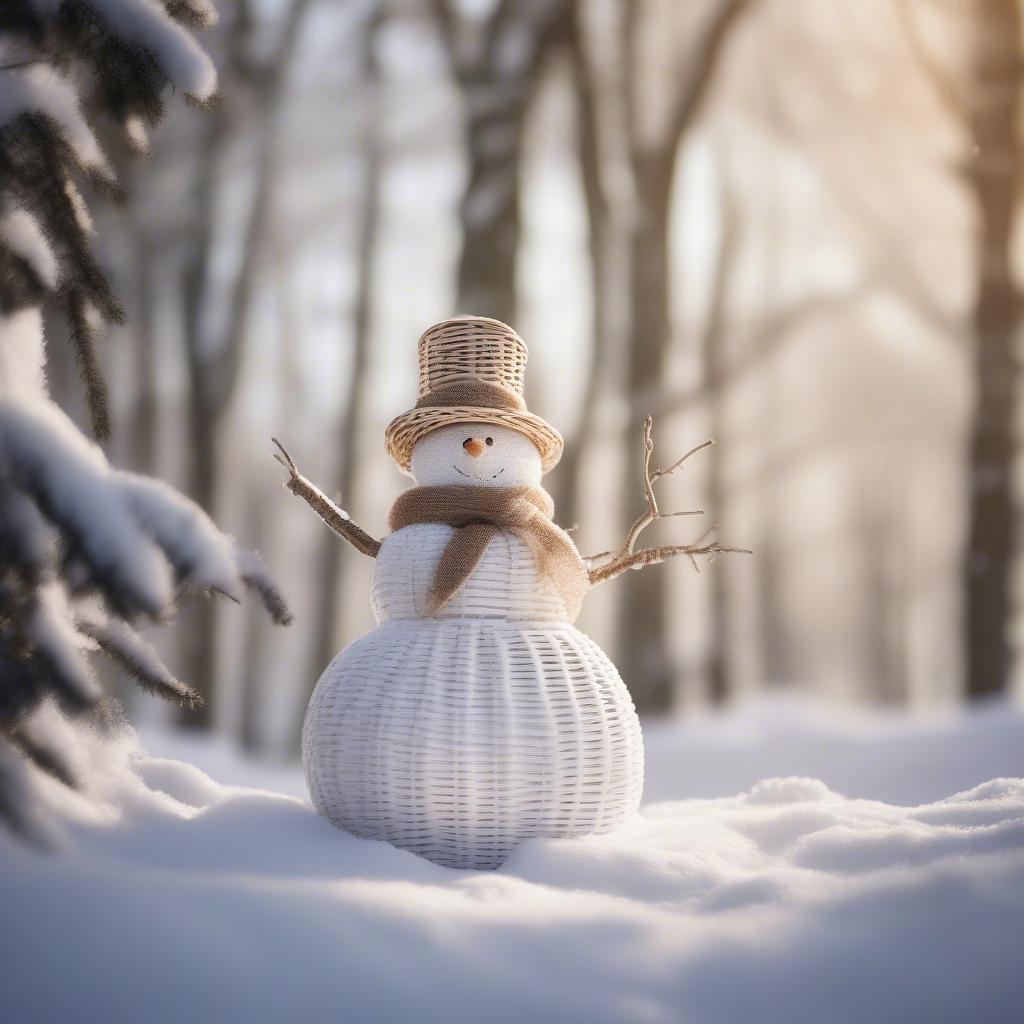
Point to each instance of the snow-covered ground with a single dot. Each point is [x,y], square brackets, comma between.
[885,884]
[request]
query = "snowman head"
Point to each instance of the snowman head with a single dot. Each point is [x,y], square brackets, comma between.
[476,455]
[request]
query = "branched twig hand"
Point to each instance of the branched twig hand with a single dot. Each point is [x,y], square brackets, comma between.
[282,456]
[609,564]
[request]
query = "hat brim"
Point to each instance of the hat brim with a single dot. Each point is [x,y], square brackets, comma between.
[404,431]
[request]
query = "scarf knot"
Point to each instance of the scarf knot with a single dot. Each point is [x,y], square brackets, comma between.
[477,514]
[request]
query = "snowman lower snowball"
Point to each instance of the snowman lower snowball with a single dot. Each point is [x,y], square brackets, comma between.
[475,715]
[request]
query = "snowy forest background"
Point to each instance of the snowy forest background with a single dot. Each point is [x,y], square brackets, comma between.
[788,226]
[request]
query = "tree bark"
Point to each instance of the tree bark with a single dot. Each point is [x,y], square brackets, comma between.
[489,210]
[993,112]
[883,596]
[600,229]
[254,644]
[214,363]
[643,644]
[717,668]
[145,406]
[643,649]
[497,79]
[329,606]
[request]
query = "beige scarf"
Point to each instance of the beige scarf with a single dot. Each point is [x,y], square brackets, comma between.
[478,513]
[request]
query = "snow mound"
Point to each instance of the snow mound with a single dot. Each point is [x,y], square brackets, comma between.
[185,899]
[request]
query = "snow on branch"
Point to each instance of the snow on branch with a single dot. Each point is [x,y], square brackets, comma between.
[44,457]
[22,237]
[193,14]
[63,62]
[202,557]
[27,544]
[129,537]
[129,49]
[126,542]
[18,809]
[85,551]
[257,578]
[38,91]
[59,649]
[37,165]
[44,754]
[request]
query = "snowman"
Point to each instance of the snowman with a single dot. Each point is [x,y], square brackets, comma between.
[475,715]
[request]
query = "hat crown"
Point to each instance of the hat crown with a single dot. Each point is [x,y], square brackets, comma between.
[475,347]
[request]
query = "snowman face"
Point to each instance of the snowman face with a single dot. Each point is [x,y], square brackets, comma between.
[476,455]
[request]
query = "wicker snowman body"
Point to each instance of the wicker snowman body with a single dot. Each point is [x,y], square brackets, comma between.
[459,735]
[462,726]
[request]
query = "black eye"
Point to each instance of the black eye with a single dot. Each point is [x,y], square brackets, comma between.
[464,443]
[490,441]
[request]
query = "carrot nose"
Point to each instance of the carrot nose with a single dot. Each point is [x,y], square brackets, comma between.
[473,446]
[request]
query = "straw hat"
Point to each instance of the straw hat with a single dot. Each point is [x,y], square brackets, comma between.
[472,370]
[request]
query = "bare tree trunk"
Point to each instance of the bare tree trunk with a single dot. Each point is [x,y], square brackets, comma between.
[214,363]
[203,410]
[643,649]
[717,667]
[713,338]
[145,408]
[497,69]
[489,209]
[884,599]
[773,638]
[262,534]
[254,649]
[994,111]
[329,604]
[599,223]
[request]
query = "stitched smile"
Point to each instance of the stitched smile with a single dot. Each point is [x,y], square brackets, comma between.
[470,477]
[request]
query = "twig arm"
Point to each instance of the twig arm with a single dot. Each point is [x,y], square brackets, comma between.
[336,518]
[609,564]
[652,556]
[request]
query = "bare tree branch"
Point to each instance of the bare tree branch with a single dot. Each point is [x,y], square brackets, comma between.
[688,101]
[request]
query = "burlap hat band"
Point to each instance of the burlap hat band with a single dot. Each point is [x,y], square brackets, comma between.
[474,393]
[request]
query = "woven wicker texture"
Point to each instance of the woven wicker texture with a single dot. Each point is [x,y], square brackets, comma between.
[457,739]
[459,736]
[471,346]
[505,583]
[470,349]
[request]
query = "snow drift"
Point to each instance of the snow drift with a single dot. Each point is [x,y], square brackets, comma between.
[180,898]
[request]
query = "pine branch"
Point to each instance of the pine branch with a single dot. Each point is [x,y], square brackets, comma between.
[23,685]
[193,14]
[36,165]
[20,285]
[139,660]
[43,755]
[18,807]
[256,578]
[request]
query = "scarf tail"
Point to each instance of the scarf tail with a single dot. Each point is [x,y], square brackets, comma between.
[460,557]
